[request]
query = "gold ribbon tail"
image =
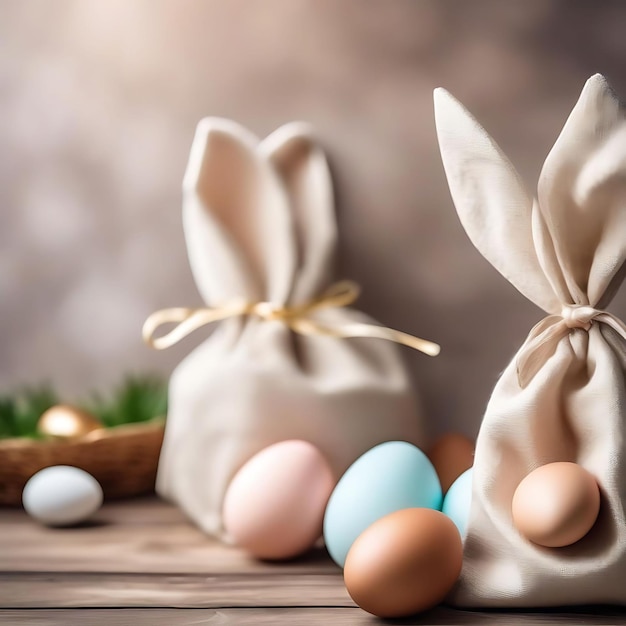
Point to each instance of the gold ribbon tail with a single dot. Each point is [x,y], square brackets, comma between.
[337,296]
[187,321]
[304,326]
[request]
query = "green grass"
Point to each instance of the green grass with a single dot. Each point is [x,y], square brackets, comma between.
[139,398]
[20,411]
[136,399]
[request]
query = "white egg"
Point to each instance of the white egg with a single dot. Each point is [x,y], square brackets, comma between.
[62,495]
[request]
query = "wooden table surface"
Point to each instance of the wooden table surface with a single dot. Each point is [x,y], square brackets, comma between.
[140,563]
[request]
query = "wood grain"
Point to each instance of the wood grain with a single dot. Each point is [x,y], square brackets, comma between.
[141,563]
[304,616]
[191,590]
[135,536]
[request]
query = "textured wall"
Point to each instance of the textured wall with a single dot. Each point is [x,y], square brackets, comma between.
[98,103]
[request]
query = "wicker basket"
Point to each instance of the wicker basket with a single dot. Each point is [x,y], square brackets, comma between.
[123,459]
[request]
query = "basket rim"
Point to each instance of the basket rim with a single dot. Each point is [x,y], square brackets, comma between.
[114,432]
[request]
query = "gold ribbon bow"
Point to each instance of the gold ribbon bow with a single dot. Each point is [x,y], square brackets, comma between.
[544,336]
[341,294]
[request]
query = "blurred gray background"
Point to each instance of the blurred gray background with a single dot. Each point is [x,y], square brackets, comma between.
[98,105]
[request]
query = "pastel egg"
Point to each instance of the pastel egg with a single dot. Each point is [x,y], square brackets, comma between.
[62,495]
[404,563]
[451,454]
[392,476]
[274,505]
[556,504]
[458,500]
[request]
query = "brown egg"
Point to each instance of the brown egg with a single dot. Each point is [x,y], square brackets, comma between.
[66,422]
[451,455]
[404,563]
[556,504]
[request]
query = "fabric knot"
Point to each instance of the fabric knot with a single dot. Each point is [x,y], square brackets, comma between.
[543,339]
[270,312]
[579,315]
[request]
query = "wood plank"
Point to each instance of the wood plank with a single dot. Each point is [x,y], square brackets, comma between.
[295,617]
[135,536]
[83,590]
[145,554]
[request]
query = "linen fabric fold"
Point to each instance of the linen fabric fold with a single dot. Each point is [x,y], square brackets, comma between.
[260,228]
[563,397]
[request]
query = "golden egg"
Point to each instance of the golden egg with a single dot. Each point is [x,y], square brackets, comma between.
[451,455]
[66,422]
[404,563]
[556,504]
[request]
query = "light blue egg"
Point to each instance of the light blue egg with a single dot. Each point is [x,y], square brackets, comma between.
[392,476]
[456,504]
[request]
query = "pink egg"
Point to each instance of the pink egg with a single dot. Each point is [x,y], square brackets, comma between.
[274,506]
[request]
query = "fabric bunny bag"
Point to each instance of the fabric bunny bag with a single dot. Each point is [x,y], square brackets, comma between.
[259,223]
[563,397]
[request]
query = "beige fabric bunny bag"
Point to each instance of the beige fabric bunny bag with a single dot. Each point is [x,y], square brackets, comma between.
[563,397]
[260,228]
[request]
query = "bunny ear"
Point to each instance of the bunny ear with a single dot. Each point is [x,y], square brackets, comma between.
[490,199]
[302,165]
[582,194]
[236,217]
